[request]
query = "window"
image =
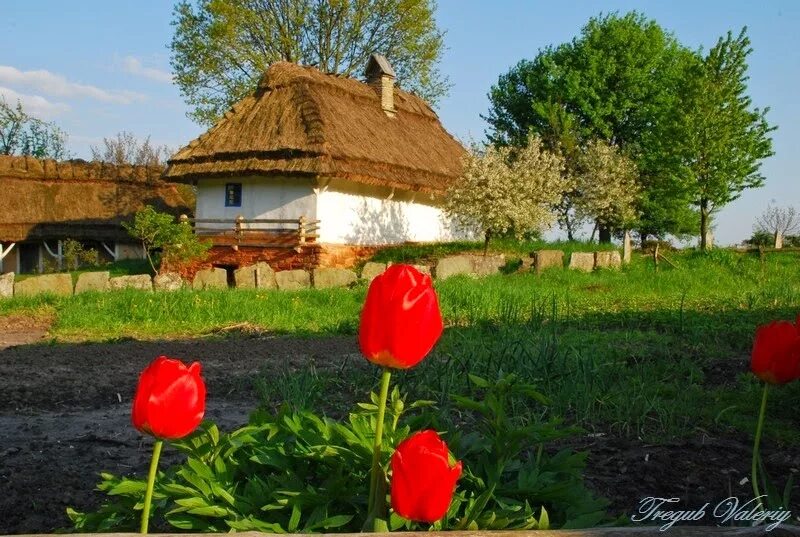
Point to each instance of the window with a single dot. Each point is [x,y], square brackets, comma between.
[233,195]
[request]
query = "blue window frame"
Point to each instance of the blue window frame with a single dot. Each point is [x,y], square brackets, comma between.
[233,195]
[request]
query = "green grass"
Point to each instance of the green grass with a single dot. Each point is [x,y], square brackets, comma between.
[637,352]
[428,253]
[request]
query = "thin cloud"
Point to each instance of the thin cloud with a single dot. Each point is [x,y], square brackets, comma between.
[33,105]
[48,83]
[133,65]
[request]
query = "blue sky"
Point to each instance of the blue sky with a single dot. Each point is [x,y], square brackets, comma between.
[99,67]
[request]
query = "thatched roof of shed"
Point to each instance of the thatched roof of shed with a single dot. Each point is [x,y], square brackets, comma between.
[300,121]
[45,199]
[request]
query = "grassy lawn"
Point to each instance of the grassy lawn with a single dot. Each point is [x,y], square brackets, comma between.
[639,352]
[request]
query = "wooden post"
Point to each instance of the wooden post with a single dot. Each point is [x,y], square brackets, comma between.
[238,231]
[655,255]
[3,253]
[626,247]
[301,224]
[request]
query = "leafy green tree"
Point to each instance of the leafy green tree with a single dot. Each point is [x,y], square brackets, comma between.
[158,232]
[221,48]
[22,134]
[720,137]
[617,82]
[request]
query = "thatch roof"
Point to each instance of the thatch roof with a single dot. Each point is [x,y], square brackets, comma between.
[300,121]
[45,199]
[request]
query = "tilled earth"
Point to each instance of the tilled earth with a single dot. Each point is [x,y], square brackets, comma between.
[65,416]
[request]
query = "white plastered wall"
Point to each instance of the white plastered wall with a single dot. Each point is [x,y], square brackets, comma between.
[262,197]
[353,213]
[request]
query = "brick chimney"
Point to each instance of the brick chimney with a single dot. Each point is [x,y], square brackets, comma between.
[380,76]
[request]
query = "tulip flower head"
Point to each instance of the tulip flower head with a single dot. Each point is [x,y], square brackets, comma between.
[170,399]
[423,482]
[776,352]
[401,320]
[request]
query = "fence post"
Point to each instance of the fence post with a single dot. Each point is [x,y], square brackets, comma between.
[655,255]
[237,231]
[301,232]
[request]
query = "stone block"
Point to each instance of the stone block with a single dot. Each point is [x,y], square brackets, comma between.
[607,260]
[325,278]
[168,281]
[7,285]
[454,265]
[425,269]
[57,284]
[371,270]
[258,276]
[545,259]
[583,261]
[291,280]
[141,282]
[488,265]
[92,281]
[215,278]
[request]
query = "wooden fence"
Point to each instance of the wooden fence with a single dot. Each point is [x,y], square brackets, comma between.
[256,232]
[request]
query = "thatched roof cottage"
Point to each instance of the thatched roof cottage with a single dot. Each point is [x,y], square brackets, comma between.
[45,202]
[369,161]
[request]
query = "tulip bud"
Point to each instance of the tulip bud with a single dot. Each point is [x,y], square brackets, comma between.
[776,353]
[423,482]
[401,320]
[170,399]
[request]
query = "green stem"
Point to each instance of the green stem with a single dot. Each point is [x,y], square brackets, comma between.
[757,444]
[374,497]
[151,481]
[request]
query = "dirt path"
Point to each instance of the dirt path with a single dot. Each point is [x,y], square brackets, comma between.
[16,330]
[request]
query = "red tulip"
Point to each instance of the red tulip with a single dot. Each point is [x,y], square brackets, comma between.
[401,321]
[170,400]
[423,481]
[776,352]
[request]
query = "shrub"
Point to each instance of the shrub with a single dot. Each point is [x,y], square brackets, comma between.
[159,233]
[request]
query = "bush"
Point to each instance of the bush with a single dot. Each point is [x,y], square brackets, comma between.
[159,233]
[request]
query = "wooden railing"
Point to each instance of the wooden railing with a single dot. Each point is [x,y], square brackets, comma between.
[255,232]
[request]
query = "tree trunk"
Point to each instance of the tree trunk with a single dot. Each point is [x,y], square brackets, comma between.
[703,224]
[487,236]
[643,236]
[604,234]
[594,230]
[778,240]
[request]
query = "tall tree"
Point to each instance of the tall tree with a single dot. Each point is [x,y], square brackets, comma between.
[721,138]
[221,48]
[23,134]
[618,81]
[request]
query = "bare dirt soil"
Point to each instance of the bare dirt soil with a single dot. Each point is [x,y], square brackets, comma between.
[65,416]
